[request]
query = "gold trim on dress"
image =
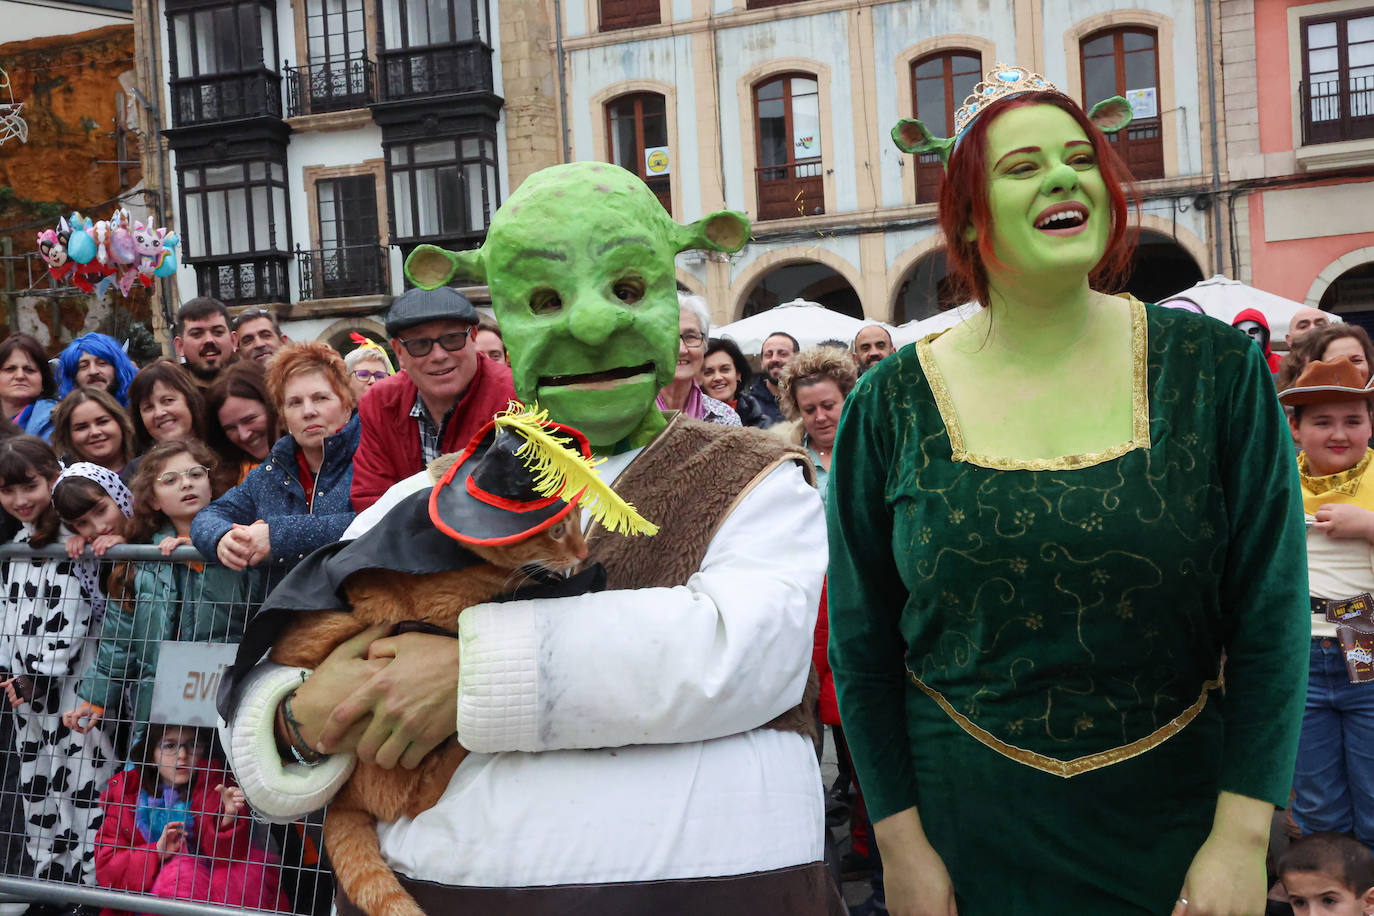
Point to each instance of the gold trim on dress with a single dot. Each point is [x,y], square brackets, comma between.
[1140,409]
[1070,768]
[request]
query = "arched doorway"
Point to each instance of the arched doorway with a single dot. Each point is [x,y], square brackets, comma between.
[1160,267]
[925,291]
[1351,295]
[808,280]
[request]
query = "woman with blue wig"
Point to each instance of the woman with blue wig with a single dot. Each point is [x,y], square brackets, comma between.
[97,361]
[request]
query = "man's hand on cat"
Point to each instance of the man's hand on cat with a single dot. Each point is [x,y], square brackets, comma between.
[333,681]
[412,701]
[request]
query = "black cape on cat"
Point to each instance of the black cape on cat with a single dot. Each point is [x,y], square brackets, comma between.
[404,541]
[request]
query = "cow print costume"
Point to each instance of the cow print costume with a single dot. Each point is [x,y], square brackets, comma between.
[44,633]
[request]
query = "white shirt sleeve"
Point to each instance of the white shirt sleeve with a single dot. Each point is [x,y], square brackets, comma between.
[394,494]
[725,653]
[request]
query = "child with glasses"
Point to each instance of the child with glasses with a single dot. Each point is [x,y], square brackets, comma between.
[176,826]
[152,602]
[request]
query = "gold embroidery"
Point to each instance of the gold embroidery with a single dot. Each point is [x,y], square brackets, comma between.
[1140,410]
[1079,765]
[1347,481]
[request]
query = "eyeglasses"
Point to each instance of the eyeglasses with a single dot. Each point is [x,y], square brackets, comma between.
[420,346]
[193,473]
[691,339]
[379,374]
[193,748]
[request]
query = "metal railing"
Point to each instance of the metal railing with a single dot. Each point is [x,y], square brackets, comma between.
[1335,110]
[226,97]
[337,85]
[76,826]
[791,189]
[345,270]
[243,279]
[438,70]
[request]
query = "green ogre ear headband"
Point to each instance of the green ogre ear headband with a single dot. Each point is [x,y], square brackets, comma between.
[1001,82]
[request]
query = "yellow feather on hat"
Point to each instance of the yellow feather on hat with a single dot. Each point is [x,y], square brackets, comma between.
[558,468]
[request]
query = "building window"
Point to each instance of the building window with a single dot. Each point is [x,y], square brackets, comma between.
[339,75]
[350,260]
[223,63]
[939,84]
[627,14]
[235,220]
[1125,62]
[788,123]
[637,126]
[442,189]
[1337,89]
[432,48]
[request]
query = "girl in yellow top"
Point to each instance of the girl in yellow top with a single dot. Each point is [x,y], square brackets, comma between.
[1331,419]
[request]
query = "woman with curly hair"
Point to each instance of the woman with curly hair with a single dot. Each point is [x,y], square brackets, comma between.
[811,393]
[298,498]
[89,425]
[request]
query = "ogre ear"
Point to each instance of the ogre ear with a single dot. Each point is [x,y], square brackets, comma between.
[1111,115]
[430,266]
[724,230]
[911,136]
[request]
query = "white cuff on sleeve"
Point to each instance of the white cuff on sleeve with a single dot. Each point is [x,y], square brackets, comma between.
[498,678]
[278,791]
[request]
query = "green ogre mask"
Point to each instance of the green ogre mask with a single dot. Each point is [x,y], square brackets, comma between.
[579,262]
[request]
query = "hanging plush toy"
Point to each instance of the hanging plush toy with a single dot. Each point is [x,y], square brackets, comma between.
[92,256]
[80,246]
[52,248]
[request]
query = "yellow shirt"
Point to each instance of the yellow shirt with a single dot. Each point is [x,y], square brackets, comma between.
[1337,567]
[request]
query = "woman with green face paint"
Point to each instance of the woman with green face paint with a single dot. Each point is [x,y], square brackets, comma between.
[1050,526]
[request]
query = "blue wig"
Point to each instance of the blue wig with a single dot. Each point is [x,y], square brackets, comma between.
[101,346]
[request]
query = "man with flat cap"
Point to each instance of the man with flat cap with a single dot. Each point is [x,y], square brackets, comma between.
[442,395]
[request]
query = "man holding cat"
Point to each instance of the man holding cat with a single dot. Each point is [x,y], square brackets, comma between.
[636,750]
[441,397]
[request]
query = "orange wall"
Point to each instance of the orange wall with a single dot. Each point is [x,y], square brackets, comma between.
[1276,83]
[1289,268]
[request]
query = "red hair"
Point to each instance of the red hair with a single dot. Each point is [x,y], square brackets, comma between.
[964,200]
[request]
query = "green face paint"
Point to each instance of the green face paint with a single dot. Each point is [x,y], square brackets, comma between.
[1049,203]
[579,262]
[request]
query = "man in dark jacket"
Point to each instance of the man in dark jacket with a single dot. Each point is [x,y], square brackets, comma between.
[444,393]
[778,348]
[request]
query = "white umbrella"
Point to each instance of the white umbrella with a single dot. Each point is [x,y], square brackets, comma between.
[809,322]
[1224,299]
[913,331]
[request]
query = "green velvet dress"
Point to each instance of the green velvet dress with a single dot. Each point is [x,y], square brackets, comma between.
[1031,652]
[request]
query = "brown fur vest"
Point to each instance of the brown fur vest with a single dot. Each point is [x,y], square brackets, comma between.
[688,481]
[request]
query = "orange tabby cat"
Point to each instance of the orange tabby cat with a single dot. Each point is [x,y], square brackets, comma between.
[373,794]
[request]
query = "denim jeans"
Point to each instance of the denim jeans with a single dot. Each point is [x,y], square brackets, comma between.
[1334,780]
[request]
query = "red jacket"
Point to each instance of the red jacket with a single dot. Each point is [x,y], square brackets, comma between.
[124,861]
[389,450]
[830,710]
[1256,315]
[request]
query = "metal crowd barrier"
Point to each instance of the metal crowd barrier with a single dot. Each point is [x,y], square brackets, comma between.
[169,627]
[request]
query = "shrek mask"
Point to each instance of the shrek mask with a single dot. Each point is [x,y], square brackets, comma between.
[579,262]
[1049,203]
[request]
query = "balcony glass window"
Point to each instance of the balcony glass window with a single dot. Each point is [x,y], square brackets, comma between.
[787,122]
[628,14]
[443,188]
[425,23]
[637,126]
[338,75]
[1125,62]
[223,63]
[1337,89]
[939,84]
[234,208]
[350,260]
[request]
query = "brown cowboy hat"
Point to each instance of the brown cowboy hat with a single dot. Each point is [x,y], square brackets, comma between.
[1322,382]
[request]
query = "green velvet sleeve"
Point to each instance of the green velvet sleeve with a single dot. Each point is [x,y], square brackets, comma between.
[1264,598]
[866,598]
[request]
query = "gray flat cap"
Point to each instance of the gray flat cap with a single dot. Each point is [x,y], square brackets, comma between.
[417,306]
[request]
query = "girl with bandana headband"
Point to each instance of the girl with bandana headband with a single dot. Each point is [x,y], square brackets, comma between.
[46,646]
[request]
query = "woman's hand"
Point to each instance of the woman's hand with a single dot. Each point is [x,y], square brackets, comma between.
[1227,877]
[259,540]
[105,542]
[76,544]
[914,875]
[245,545]
[231,803]
[412,701]
[86,712]
[331,683]
[1343,520]
[11,694]
[172,841]
[169,543]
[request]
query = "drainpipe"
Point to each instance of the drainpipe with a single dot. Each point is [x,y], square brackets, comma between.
[562,78]
[1212,113]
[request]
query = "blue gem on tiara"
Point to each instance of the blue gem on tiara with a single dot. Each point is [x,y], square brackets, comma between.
[1008,76]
